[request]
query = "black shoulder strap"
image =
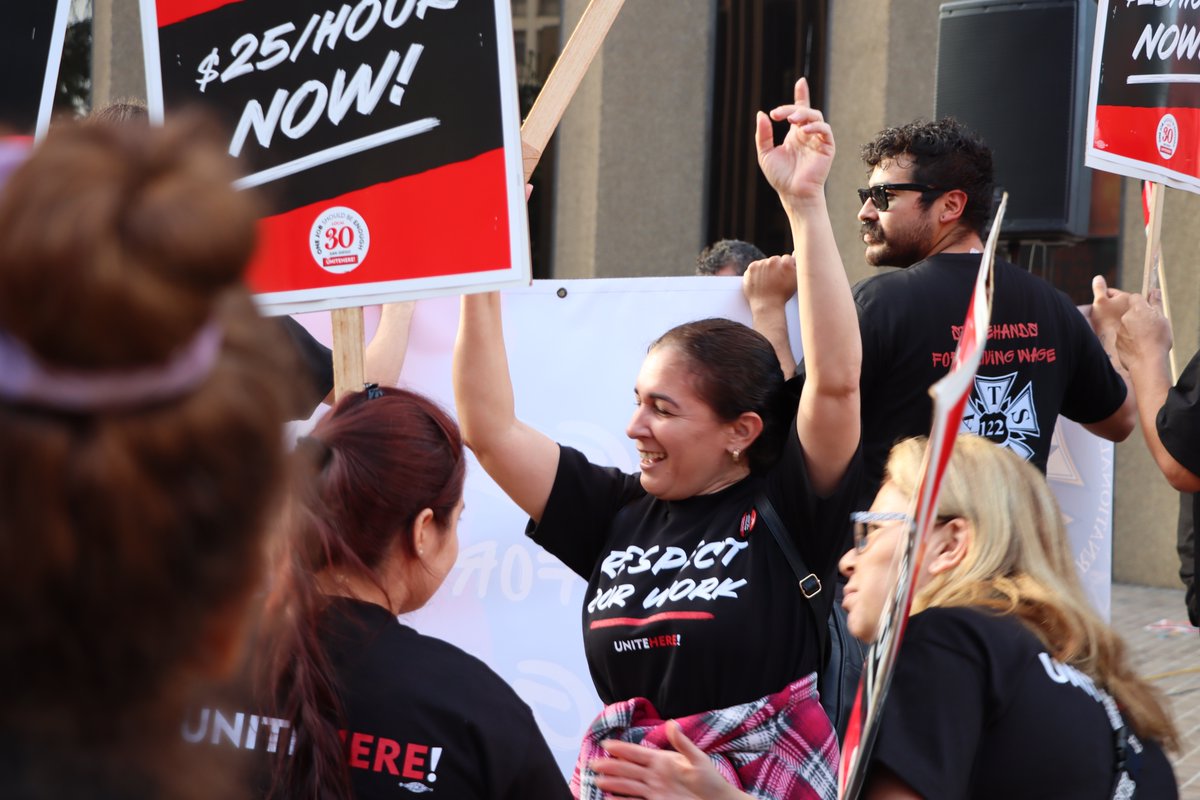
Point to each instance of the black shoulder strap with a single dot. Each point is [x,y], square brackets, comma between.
[809,583]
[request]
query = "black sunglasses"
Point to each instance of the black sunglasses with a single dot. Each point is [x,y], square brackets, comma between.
[878,194]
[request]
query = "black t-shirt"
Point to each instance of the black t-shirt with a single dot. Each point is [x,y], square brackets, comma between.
[977,709]
[418,707]
[1178,426]
[421,716]
[1042,358]
[691,603]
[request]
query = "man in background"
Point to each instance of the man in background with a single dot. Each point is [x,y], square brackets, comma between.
[727,257]
[924,210]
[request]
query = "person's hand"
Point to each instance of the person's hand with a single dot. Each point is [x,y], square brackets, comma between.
[1144,332]
[770,281]
[798,166]
[636,771]
[1108,305]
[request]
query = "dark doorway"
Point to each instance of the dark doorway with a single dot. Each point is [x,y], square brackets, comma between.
[761,48]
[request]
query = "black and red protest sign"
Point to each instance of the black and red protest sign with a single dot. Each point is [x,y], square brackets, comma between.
[383,133]
[32,44]
[1144,119]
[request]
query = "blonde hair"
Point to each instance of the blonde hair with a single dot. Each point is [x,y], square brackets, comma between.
[1019,563]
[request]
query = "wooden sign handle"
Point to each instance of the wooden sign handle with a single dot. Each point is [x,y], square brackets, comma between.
[1153,240]
[348,351]
[1154,271]
[564,79]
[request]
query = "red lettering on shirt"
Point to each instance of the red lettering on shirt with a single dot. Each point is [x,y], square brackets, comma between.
[1036,355]
[414,757]
[360,748]
[385,755]
[1016,330]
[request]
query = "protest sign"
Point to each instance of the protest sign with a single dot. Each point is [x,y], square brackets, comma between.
[32,38]
[1144,103]
[574,349]
[383,133]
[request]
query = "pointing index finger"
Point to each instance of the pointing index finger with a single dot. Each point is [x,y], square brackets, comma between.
[800,92]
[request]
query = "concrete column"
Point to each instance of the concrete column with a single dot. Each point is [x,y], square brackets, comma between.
[117,68]
[632,147]
[882,69]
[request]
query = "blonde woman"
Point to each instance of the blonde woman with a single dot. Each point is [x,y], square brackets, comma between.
[1008,684]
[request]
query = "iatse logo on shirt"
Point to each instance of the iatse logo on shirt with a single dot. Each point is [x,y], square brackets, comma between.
[997,411]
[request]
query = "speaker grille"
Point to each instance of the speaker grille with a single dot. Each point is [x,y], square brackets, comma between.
[1016,73]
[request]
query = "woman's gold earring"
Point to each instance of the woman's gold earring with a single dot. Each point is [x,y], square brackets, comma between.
[737,456]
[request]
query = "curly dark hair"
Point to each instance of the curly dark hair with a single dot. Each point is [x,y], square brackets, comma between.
[945,154]
[727,252]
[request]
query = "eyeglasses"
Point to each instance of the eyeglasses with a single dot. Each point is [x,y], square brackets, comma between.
[879,194]
[867,522]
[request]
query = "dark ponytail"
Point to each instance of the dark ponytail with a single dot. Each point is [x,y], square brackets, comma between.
[368,469]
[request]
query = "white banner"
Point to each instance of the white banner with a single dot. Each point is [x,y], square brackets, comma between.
[574,349]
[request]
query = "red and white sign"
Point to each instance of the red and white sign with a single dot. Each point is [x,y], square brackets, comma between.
[1144,104]
[384,135]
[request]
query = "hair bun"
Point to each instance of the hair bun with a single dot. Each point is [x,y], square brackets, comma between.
[137,228]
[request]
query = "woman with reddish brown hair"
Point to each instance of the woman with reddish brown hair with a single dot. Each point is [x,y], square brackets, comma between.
[372,534]
[141,409]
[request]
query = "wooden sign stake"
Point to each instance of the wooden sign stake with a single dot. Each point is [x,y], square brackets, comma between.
[1153,241]
[564,79]
[1153,272]
[348,351]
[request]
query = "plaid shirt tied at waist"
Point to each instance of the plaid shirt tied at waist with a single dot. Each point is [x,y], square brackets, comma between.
[779,746]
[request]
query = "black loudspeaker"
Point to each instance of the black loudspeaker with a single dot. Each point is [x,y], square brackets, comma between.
[1016,72]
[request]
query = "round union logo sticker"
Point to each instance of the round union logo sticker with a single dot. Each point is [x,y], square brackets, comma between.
[1167,136]
[339,240]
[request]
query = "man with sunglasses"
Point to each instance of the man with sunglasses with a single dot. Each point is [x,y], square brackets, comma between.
[927,201]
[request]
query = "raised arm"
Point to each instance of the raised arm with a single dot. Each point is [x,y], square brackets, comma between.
[1144,342]
[385,353]
[768,284]
[384,356]
[522,460]
[828,421]
[1108,306]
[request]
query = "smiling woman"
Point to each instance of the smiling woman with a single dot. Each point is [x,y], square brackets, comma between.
[681,569]
[707,390]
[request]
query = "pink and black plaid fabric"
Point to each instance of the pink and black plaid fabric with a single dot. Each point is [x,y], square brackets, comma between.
[780,746]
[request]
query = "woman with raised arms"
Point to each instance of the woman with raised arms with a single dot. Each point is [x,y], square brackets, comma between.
[678,556]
